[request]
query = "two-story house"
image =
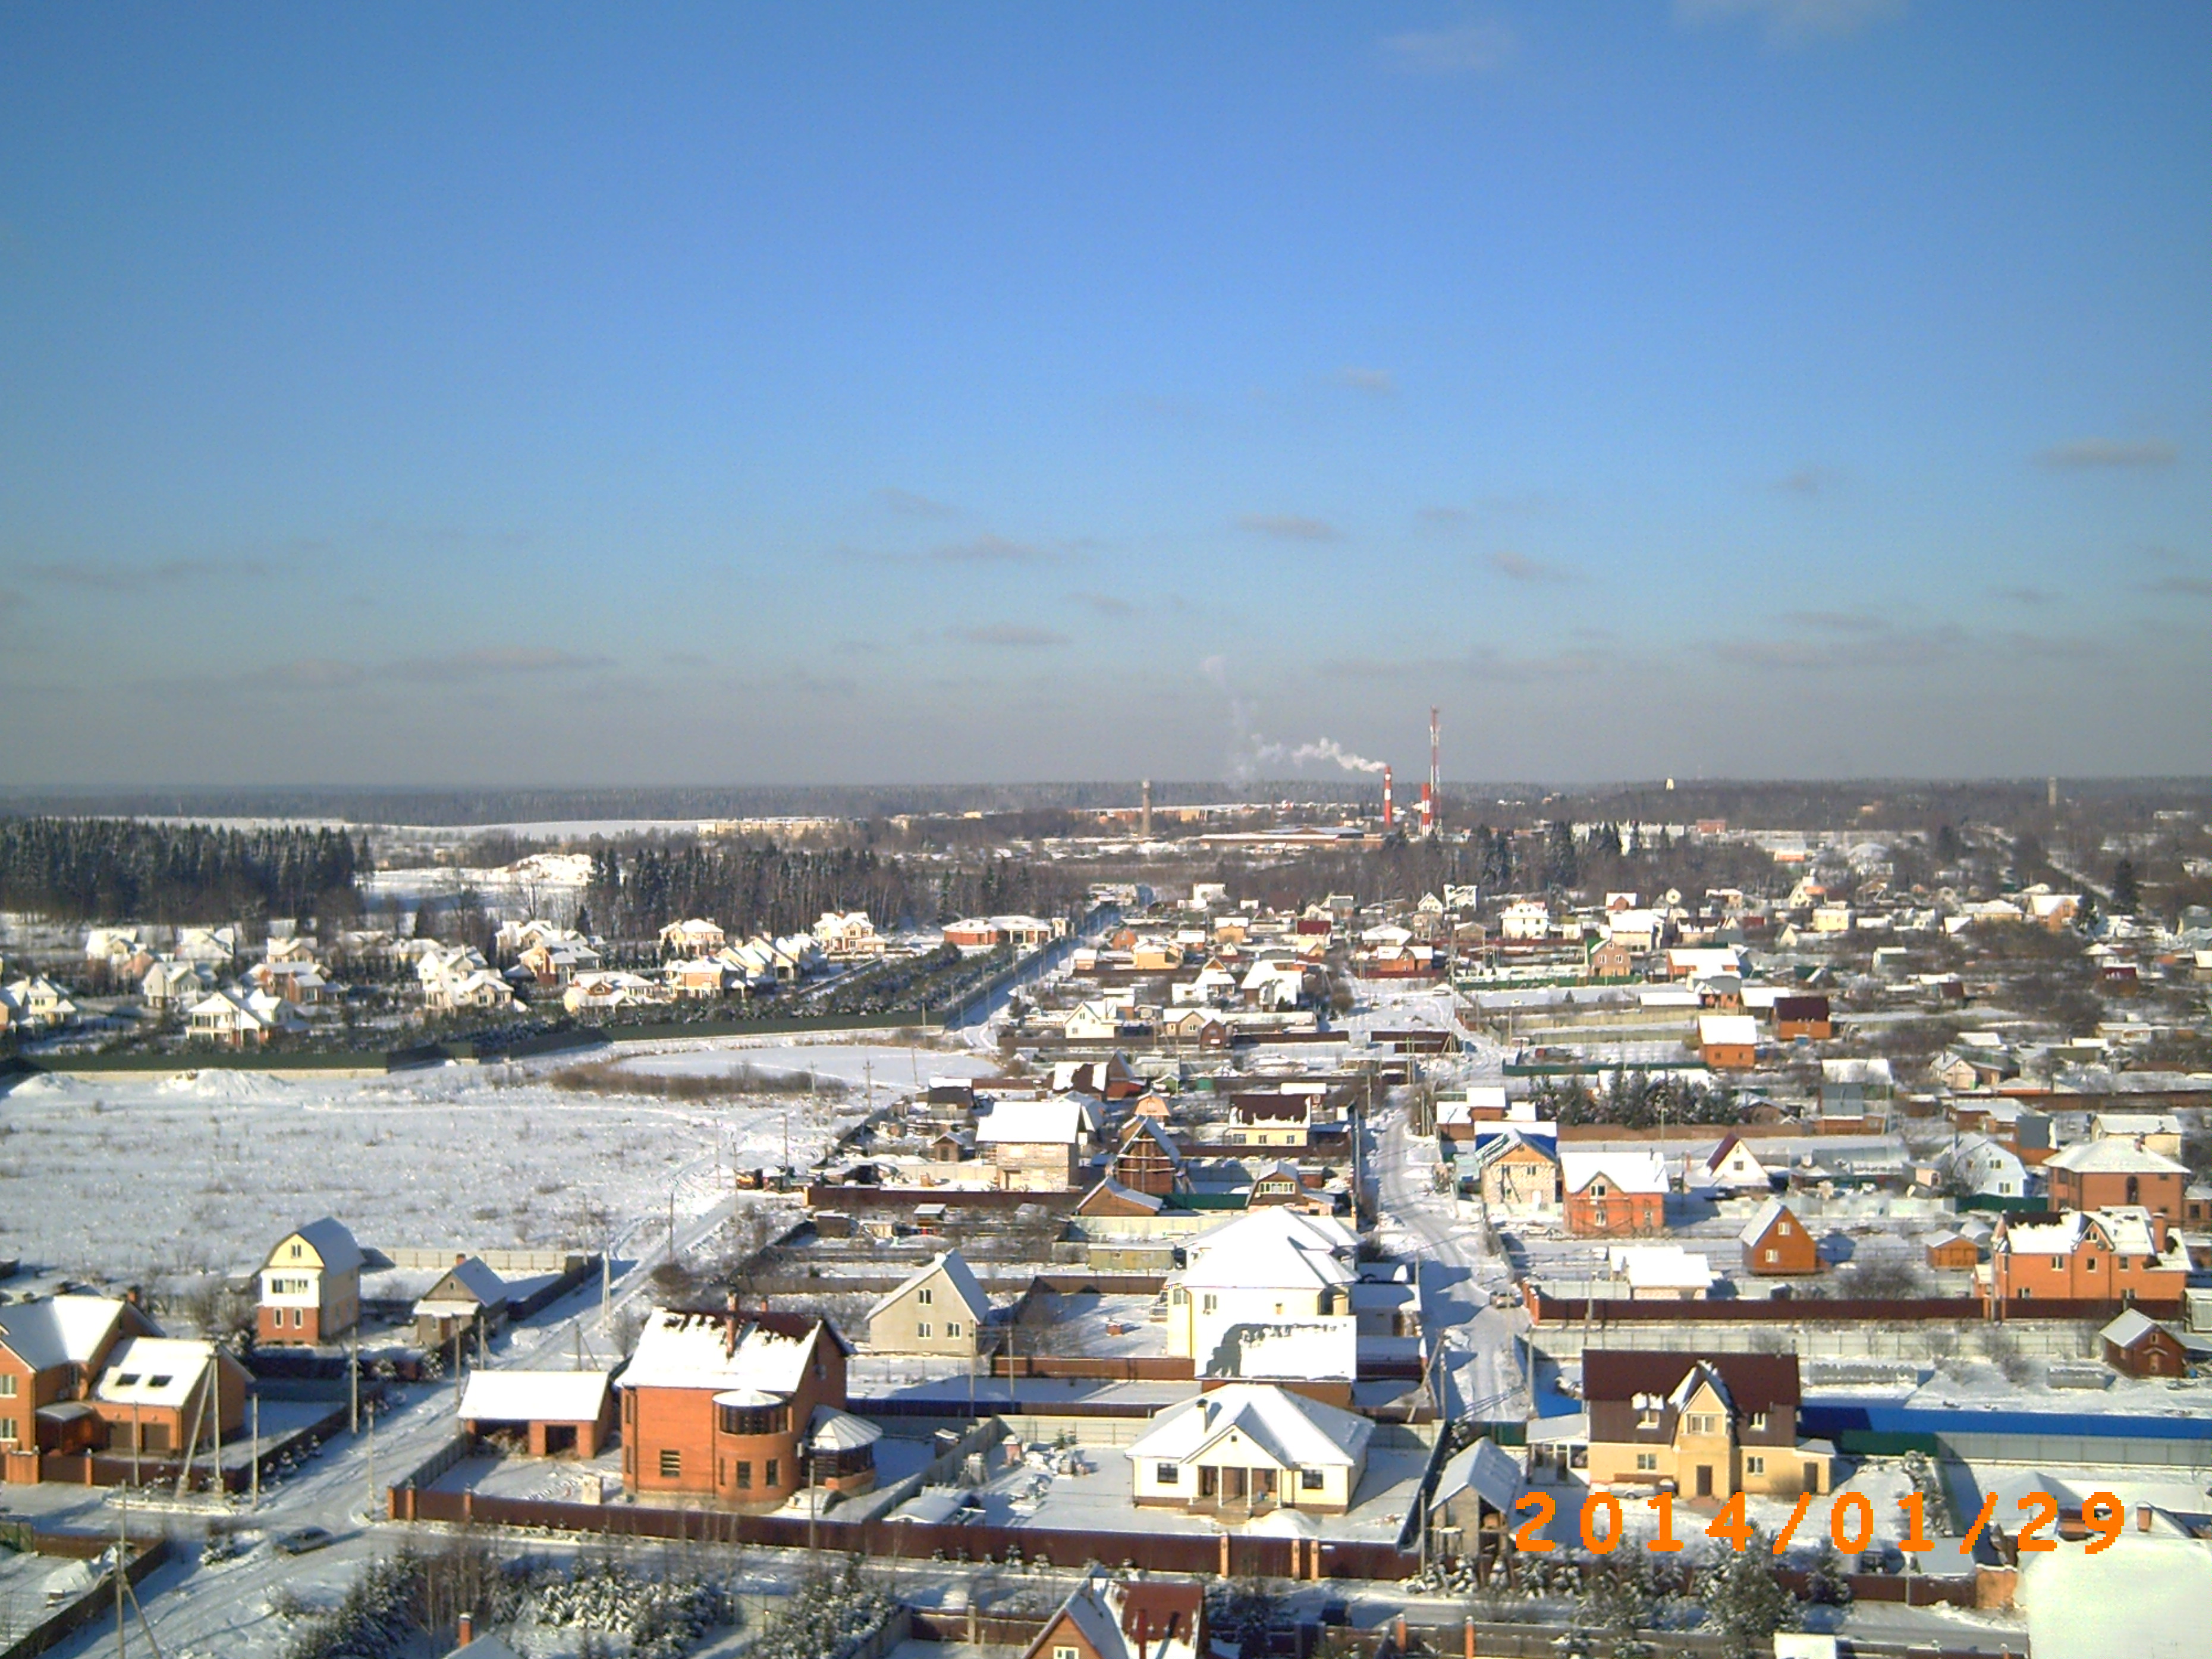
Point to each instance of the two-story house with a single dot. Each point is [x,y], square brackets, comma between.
[310,1286]
[1707,1426]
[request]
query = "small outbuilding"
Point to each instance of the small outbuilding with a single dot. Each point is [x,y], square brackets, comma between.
[1776,1244]
[560,1413]
[2137,1346]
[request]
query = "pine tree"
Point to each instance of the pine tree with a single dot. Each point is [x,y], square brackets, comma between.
[1745,1603]
[2125,899]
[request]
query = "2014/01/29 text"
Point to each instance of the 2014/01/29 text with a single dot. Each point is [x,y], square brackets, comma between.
[1851,1523]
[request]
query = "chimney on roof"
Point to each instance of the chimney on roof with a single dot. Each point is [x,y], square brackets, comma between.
[729,1325]
[467,1632]
[459,1256]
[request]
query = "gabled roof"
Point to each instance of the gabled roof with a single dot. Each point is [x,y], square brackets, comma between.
[1629,1171]
[1295,1433]
[1031,1122]
[329,1239]
[1111,1188]
[59,1330]
[1485,1469]
[153,1370]
[957,1275]
[1755,1382]
[466,1283]
[1769,1212]
[1276,1247]
[495,1396]
[1137,1618]
[2130,1328]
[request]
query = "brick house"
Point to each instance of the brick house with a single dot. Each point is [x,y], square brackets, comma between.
[310,1286]
[1706,1425]
[2111,1171]
[1614,1195]
[2091,1255]
[741,1407]
[1775,1244]
[51,1348]
[165,1392]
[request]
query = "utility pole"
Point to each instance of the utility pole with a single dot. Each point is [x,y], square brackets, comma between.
[370,1512]
[122,1555]
[253,1412]
[353,1386]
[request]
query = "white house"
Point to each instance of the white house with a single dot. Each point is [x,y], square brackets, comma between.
[1248,1446]
[1268,1267]
[1730,1167]
[941,1309]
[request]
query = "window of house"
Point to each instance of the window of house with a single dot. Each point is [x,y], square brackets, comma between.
[922,1328]
[297,1252]
[672,1463]
[1065,1653]
[745,1474]
[1703,1424]
[1647,1463]
[769,1471]
[2089,1262]
[1168,1474]
[1211,1303]
[952,1328]
[1759,1420]
[8,1386]
[1755,1466]
[299,1317]
[924,1298]
[1309,1479]
[1774,1256]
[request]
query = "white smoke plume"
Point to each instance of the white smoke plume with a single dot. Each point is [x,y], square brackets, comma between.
[1324,749]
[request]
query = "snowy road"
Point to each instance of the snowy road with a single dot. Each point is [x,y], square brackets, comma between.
[1479,1371]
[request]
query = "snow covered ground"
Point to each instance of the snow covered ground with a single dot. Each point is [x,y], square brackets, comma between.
[136,1178]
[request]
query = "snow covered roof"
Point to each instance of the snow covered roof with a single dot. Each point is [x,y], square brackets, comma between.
[1729,1029]
[59,1330]
[2113,1155]
[1031,1122]
[1273,1246]
[832,1430]
[957,1273]
[1295,1433]
[1629,1171]
[1661,1267]
[1756,1228]
[516,1396]
[1137,1619]
[719,1351]
[482,1288]
[1485,1469]
[153,1370]
[2128,1329]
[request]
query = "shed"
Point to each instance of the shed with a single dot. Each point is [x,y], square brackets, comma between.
[561,1411]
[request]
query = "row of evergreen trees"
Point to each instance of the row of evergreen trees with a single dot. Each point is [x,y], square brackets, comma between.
[761,888]
[127,869]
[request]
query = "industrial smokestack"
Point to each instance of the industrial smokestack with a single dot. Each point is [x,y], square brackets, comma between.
[1389,807]
[1431,796]
[1145,813]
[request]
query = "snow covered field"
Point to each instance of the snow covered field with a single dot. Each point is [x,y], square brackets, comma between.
[134,1178]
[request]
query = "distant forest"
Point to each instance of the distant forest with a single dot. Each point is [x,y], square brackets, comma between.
[112,870]
[1910,803]
[763,888]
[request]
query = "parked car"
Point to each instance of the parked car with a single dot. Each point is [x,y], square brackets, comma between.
[302,1539]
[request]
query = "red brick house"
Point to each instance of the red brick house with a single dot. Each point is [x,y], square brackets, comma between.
[742,1408]
[557,1414]
[1614,1195]
[51,1349]
[2111,1171]
[2094,1255]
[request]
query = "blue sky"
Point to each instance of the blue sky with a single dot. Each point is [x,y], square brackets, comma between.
[1750,387]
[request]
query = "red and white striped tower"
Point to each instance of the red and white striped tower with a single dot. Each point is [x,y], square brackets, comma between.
[1389,809]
